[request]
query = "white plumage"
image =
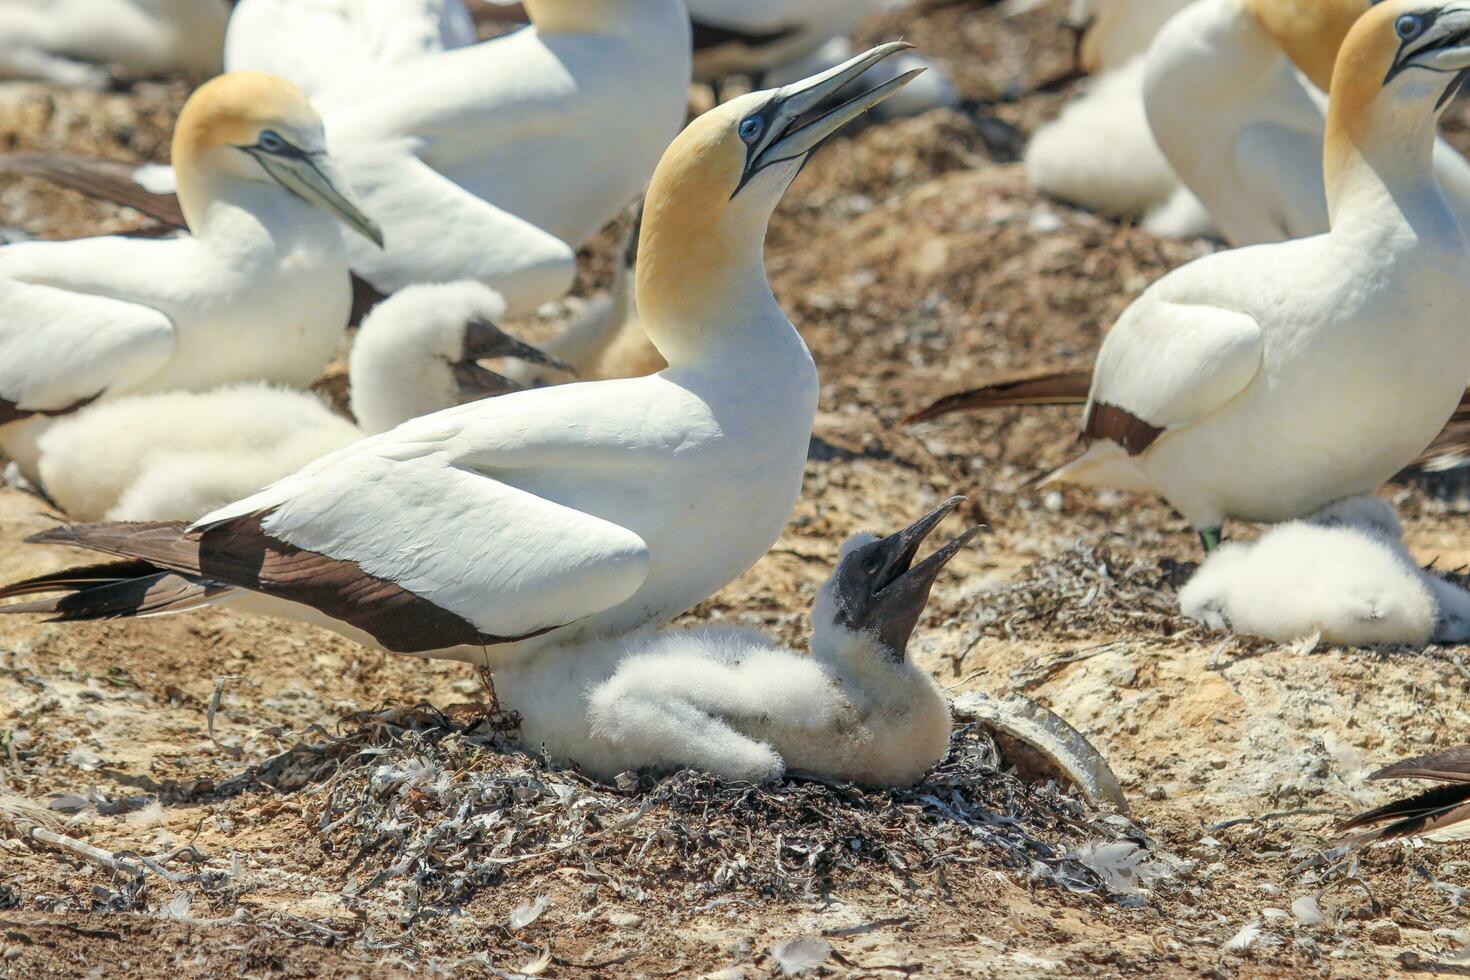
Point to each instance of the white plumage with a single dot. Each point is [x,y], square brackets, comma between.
[1266,382]
[1344,573]
[179,455]
[68,41]
[730,702]
[259,290]
[1235,97]
[321,44]
[488,531]
[1100,153]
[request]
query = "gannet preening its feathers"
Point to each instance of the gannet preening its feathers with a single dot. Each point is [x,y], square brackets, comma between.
[484,532]
[258,291]
[1438,814]
[1265,383]
[179,455]
[1262,67]
[67,41]
[322,44]
[732,703]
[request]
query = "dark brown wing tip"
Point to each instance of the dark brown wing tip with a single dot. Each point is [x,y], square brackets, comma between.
[1447,765]
[84,535]
[947,405]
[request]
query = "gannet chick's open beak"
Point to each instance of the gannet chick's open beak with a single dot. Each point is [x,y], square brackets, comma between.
[251,125]
[877,588]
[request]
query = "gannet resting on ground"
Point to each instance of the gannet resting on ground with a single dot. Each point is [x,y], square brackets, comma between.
[1267,382]
[67,41]
[730,702]
[1344,573]
[259,291]
[1235,98]
[1438,814]
[179,455]
[1099,153]
[321,44]
[485,532]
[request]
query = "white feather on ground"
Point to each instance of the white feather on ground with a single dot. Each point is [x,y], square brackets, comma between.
[1344,573]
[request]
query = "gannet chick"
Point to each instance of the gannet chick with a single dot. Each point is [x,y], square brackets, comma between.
[730,702]
[258,291]
[1100,154]
[1267,382]
[66,41]
[1254,158]
[327,43]
[1438,814]
[179,455]
[1344,572]
[487,532]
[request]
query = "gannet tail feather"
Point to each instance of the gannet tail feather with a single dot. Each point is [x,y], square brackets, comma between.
[106,180]
[1056,387]
[116,590]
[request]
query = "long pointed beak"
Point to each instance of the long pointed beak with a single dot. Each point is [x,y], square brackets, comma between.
[803,97]
[792,132]
[314,178]
[902,588]
[484,339]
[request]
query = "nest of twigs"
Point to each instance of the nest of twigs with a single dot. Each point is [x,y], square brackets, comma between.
[427,810]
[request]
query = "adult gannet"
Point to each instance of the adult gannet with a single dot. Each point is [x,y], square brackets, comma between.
[259,291]
[485,532]
[1099,153]
[732,703]
[1254,158]
[179,455]
[67,41]
[1440,814]
[475,161]
[1267,382]
[321,44]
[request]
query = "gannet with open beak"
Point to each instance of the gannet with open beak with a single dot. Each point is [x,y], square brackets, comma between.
[321,44]
[732,703]
[1254,157]
[1439,814]
[68,41]
[1267,382]
[179,455]
[258,291]
[484,532]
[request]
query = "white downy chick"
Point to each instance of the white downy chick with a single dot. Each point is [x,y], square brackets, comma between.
[730,702]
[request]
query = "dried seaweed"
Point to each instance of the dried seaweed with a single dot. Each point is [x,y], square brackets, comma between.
[1082,593]
[425,812]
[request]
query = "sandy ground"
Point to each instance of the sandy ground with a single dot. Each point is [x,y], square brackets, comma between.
[915,261]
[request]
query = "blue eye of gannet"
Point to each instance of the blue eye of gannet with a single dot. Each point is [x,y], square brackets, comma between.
[751,128]
[270,141]
[1409,26]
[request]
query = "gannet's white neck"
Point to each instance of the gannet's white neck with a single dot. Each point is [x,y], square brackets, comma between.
[590,16]
[1378,154]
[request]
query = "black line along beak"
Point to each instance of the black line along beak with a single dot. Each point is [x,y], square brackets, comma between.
[483,339]
[793,123]
[896,594]
[314,178]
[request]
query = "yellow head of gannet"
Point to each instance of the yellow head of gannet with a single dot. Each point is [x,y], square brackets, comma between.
[254,127]
[713,193]
[1400,58]
[1310,32]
